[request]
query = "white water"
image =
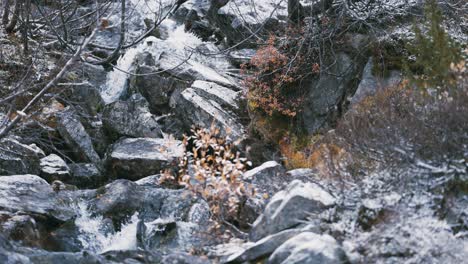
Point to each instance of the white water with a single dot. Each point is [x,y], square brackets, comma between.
[171,52]
[93,232]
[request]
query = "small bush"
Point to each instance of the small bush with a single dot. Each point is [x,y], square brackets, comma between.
[212,169]
[274,74]
[433,52]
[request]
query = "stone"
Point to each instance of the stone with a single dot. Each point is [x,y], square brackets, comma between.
[33,196]
[263,247]
[85,175]
[371,84]
[309,248]
[54,168]
[130,118]
[156,88]
[76,137]
[326,94]
[121,199]
[135,158]
[268,178]
[19,158]
[289,207]
[198,109]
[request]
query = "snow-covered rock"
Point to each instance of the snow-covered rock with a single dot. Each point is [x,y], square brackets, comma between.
[53,168]
[130,118]
[289,207]
[309,248]
[135,158]
[204,105]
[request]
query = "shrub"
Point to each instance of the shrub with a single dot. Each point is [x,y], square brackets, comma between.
[212,169]
[274,74]
[433,52]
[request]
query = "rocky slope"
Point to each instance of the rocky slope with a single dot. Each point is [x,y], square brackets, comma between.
[94,194]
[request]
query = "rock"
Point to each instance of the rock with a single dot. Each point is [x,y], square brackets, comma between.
[85,175]
[165,235]
[135,158]
[88,97]
[309,248]
[18,158]
[76,137]
[268,178]
[262,248]
[171,124]
[373,211]
[236,19]
[130,118]
[184,258]
[157,89]
[288,207]
[32,195]
[54,168]
[20,227]
[326,94]
[371,84]
[196,108]
[199,213]
[225,97]
[242,56]
[121,199]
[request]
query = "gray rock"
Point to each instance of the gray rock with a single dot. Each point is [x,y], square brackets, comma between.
[371,84]
[263,247]
[157,89]
[268,178]
[289,207]
[85,175]
[309,248]
[20,227]
[54,168]
[328,92]
[130,118]
[135,158]
[18,158]
[121,199]
[236,19]
[88,97]
[32,195]
[196,108]
[167,235]
[76,137]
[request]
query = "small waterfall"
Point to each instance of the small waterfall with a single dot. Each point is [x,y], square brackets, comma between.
[95,236]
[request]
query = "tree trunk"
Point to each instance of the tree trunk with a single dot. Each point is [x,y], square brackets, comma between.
[295,12]
[14,20]
[6,12]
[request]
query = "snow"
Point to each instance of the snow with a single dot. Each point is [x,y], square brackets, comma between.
[254,12]
[94,236]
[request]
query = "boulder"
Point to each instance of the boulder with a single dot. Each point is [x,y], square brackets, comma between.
[165,235]
[268,178]
[85,175]
[54,168]
[289,207]
[121,199]
[327,93]
[205,107]
[262,248]
[371,84]
[237,21]
[309,248]
[156,88]
[135,158]
[19,158]
[130,118]
[32,195]
[76,137]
